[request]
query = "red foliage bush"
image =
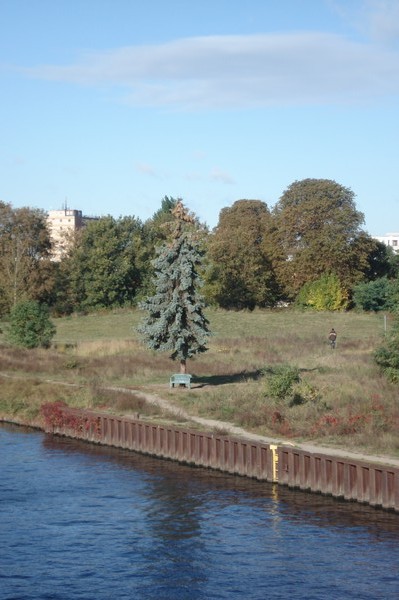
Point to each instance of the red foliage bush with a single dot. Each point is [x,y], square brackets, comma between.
[58,415]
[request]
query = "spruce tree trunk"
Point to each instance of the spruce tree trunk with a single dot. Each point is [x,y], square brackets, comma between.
[183,366]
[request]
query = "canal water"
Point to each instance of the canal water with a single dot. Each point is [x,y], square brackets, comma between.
[80,521]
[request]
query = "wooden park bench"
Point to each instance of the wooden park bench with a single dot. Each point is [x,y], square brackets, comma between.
[180,379]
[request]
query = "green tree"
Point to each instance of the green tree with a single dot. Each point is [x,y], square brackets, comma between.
[155,232]
[381,294]
[381,261]
[240,274]
[324,294]
[163,215]
[175,321]
[103,265]
[317,231]
[26,271]
[30,325]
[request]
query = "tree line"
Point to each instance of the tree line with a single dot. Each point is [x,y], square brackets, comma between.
[309,249]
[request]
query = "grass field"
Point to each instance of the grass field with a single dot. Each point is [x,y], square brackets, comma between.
[340,397]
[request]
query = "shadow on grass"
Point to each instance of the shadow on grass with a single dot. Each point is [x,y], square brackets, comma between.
[274,370]
[202,381]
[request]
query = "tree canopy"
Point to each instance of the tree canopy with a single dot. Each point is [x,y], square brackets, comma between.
[310,249]
[26,272]
[103,264]
[377,295]
[317,231]
[30,325]
[240,274]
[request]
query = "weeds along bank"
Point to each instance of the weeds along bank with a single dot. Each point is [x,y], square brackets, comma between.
[271,372]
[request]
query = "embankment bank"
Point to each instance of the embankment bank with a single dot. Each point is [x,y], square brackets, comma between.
[345,476]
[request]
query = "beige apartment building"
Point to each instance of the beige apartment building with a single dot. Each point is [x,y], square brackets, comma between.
[63,223]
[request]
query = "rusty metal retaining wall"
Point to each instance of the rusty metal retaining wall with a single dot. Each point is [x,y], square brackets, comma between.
[236,456]
[374,484]
[377,485]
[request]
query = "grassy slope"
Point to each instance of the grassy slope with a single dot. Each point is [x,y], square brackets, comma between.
[348,402]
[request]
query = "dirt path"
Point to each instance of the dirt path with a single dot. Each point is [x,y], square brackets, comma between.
[213,424]
[239,431]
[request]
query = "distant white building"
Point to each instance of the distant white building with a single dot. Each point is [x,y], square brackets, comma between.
[62,223]
[390,239]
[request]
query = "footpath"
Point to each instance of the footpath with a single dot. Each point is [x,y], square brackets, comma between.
[229,428]
[211,424]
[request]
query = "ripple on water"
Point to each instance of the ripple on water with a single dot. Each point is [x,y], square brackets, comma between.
[93,523]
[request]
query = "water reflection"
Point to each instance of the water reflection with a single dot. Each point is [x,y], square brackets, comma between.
[173,482]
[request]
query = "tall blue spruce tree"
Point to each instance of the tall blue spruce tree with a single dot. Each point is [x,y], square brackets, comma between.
[175,321]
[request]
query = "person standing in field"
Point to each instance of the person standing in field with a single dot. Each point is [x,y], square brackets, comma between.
[332,336]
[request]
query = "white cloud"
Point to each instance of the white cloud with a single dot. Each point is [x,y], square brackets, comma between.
[241,71]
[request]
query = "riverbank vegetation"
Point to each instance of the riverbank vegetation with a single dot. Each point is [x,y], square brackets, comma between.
[269,371]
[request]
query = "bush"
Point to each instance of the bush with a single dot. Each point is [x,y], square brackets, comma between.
[324,294]
[30,325]
[374,295]
[387,355]
[281,382]
[288,389]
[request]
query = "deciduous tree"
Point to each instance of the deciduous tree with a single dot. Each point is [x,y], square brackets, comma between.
[318,231]
[377,295]
[240,273]
[103,263]
[30,325]
[26,271]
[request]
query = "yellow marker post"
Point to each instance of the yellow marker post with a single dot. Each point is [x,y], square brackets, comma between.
[273,448]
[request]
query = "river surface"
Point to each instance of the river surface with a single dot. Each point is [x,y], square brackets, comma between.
[87,522]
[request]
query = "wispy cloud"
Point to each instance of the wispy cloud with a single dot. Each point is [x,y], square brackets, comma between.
[222,176]
[193,176]
[383,19]
[241,71]
[146,169]
[376,19]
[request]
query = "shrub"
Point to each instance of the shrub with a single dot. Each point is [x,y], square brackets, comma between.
[324,294]
[285,386]
[307,393]
[374,295]
[280,383]
[387,355]
[59,415]
[30,325]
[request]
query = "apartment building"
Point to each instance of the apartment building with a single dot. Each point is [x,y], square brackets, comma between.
[63,223]
[390,239]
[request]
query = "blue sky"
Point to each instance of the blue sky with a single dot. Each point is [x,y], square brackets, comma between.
[109,105]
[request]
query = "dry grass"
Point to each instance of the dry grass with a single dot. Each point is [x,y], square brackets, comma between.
[346,400]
